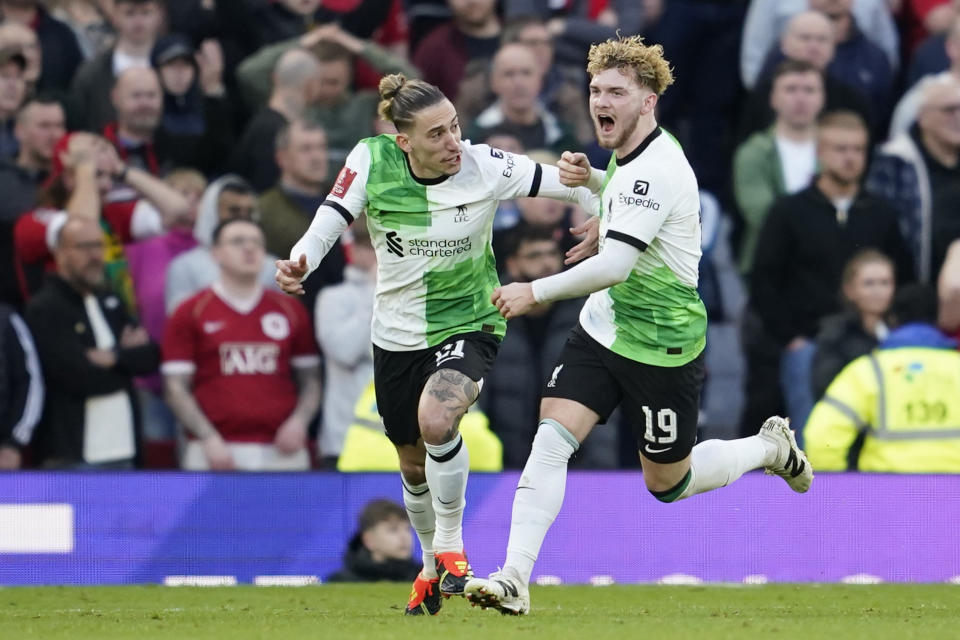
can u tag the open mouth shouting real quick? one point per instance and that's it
(605, 123)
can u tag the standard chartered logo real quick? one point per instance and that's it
(440, 248)
(427, 248)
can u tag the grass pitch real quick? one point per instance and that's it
(808, 612)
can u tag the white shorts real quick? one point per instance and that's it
(247, 456)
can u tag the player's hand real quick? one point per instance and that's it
(574, 169)
(590, 244)
(514, 299)
(218, 453)
(290, 273)
(291, 436)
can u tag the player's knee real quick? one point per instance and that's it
(436, 427)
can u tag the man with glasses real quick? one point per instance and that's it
(90, 349)
(241, 366)
(919, 171)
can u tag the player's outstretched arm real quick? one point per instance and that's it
(575, 171)
(606, 269)
(330, 221)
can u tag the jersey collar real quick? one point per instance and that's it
(423, 181)
(640, 149)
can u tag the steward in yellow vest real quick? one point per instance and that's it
(367, 448)
(896, 409)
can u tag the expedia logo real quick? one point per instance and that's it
(511, 163)
(631, 201)
(394, 244)
(640, 187)
(496, 153)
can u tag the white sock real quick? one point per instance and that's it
(419, 504)
(447, 468)
(717, 463)
(539, 496)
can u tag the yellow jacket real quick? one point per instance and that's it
(895, 410)
(367, 448)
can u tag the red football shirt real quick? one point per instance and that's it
(242, 361)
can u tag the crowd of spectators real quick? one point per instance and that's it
(157, 156)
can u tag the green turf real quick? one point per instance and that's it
(836, 612)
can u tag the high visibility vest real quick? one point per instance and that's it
(894, 410)
(367, 448)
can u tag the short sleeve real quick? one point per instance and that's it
(513, 175)
(349, 193)
(35, 234)
(303, 348)
(636, 215)
(179, 342)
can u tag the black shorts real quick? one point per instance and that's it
(662, 403)
(399, 377)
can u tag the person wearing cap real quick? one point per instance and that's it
(196, 127)
(13, 89)
(85, 170)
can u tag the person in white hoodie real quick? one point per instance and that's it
(227, 197)
(343, 315)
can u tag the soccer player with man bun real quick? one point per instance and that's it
(642, 331)
(430, 199)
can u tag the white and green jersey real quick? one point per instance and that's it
(436, 268)
(650, 200)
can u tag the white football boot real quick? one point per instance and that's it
(501, 591)
(791, 463)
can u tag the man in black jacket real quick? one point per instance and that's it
(805, 241)
(90, 350)
(21, 388)
(382, 548)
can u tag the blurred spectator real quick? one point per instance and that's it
(347, 115)
(85, 169)
(905, 113)
(21, 388)
(149, 260)
(867, 282)
(61, 53)
(562, 85)
(896, 409)
(89, 22)
(511, 393)
(20, 38)
(39, 125)
(472, 34)
(576, 24)
(916, 169)
(90, 349)
(288, 208)
(382, 549)
(516, 80)
(809, 37)
(766, 20)
(240, 365)
(782, 159)
(13, 90)
(920, 19)
(948, 290)
(342, 320)
(138, 23)
(138, 102)
(702, 38)
(226, 198)
(803, 245)
(296, 83)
